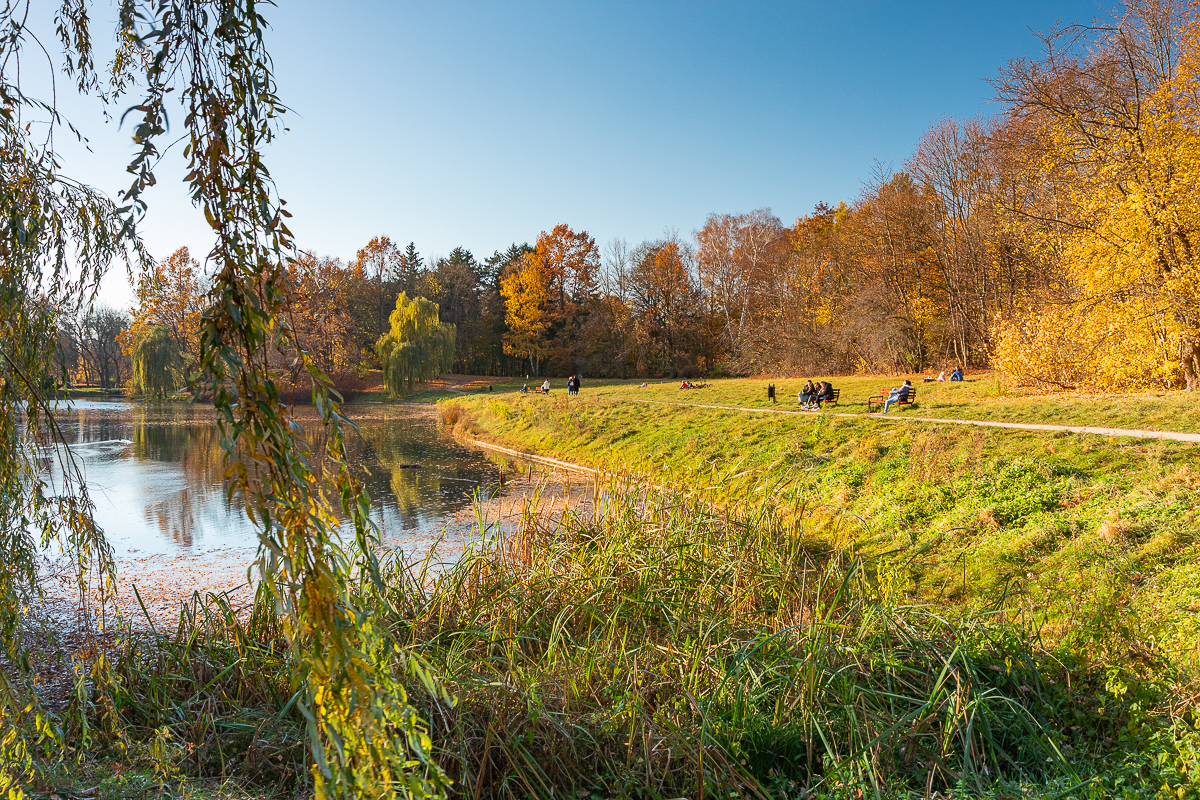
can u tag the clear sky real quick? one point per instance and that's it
(482, 123)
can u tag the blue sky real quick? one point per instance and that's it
(482, 123)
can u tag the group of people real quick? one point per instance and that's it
(955, 375)
(572, 386)
(812, 396)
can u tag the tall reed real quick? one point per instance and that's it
(648, 647)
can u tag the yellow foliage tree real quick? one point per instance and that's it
(526, 311)
(1125, 167)
(165, 330)
(417, 347)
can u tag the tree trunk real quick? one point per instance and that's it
(1191, 364)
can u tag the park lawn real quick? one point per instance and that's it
(420, 397)
(982, 397)
(1080, 532)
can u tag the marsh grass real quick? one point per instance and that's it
(651, 647)
(659, 650)
(1095, 539)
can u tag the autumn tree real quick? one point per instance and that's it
(666, 300)
(611, 328)
(170, 303)
(418, 346)
(492, 358)
(156, 362)
(893, 317)
(737, 259)
(569, 262)
(527, 311)
(1112, 112)
(57, 240)
(548, 296)
(322, 312)
(378, 267)
(98, 334)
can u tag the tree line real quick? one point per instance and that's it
(1053, 241)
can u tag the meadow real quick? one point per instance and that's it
(753, 605)
(982, 396)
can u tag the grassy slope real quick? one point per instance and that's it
(651, 650)
(1095, 538)
(980, 397)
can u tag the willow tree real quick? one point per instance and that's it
(418, 347)
(157, 363)
(57, 237)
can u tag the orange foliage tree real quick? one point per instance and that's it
(171, 302)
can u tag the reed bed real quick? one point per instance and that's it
(654, 648)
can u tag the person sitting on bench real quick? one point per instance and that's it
(897, 395)
(807, 394)
(824, 393)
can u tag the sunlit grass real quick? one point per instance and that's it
(655, 647)
(1085, 528)
(983, 396)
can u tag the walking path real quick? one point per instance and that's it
(1024, 426)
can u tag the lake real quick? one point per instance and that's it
(155, 473)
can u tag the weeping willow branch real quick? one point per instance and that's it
(367, 740)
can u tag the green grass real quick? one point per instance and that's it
(806, 606)
(983, 397)
(1086, 531)
(658, 648)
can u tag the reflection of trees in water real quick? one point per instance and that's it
(195, 446)
(448, 475)
(177, 467)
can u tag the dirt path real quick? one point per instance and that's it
(1024, 426)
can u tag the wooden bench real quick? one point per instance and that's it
(836, 394)
(877, 402)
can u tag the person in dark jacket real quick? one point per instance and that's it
(897, 395)
(825, 393)
(807, 395)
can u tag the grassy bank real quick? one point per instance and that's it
(985, 397)
(1083, 533)
(656, 649)
(808, 607)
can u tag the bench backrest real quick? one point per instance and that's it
(884, 391)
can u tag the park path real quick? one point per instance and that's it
(1023, 426)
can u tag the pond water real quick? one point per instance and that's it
(155, 474)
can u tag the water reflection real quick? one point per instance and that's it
(156, 476)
